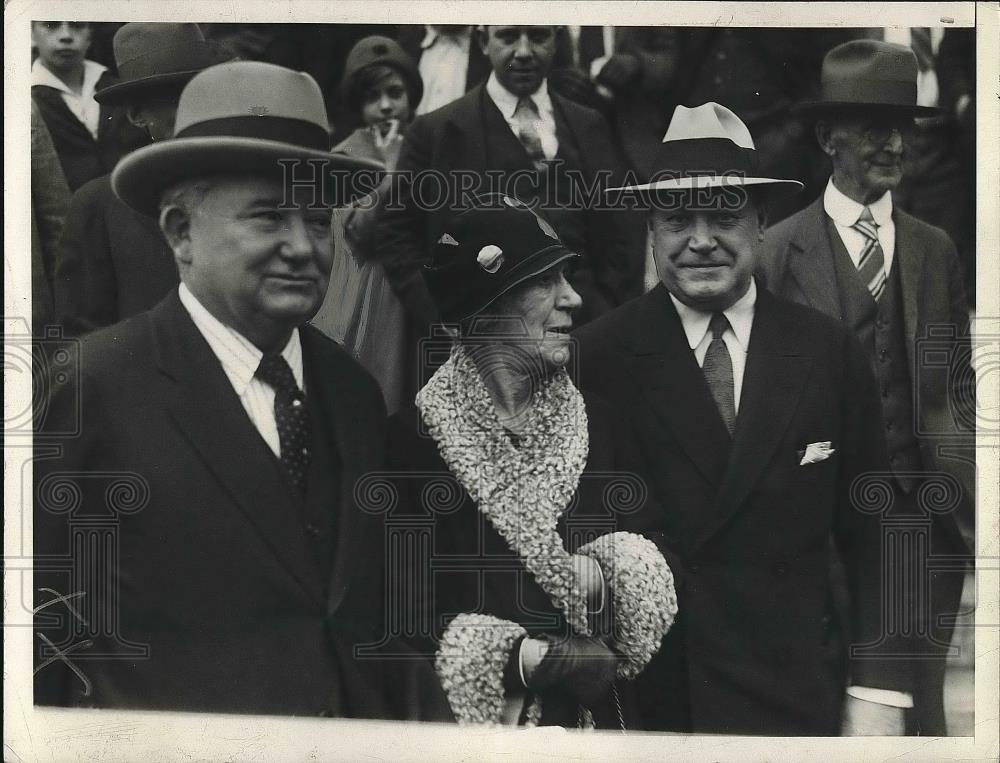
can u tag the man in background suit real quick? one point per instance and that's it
(893, 281)
(450, 60)
(113, 261)
(241, 574)
(511, 132)
(754, 417)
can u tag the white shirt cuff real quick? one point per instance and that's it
(881, 696)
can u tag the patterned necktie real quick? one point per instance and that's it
(871, 265)
(291, 416)
(718, 370)
(525, 115)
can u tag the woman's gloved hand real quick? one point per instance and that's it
(580, 667)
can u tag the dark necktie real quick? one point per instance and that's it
(525, 115)
(871, 265)
(291, 416)
(718, 370)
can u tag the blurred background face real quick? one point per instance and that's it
(156, 115)
(386, 100)
(866, 153)
(706, 258)
(521, 56)
(61, 45)
(533, 321)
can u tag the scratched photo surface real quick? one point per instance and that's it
(580, 376)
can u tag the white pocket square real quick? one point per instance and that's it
(816, 452)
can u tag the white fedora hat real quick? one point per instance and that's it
(707, 146)
(241, 117)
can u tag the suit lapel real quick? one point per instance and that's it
(212, 418)
(772, 384)
(909, 258)
(335, 407)
(811, 261)
(674, 387)
(466, 130)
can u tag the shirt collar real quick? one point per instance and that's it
(239, 356)
(739, 315)
(92, 71)
(506, 101)
(432, 35)
(845, 211)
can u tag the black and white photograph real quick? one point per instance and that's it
(385, 387)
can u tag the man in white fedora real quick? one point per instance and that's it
(753, 417)
(897, 284)
(219, 439)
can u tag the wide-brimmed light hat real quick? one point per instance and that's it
(706, 146)
(151, 55)
(868, 76)
(244, 117)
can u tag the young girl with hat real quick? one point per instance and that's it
(381, 86)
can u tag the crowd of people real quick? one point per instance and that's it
(326, 444)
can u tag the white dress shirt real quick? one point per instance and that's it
(545, 123)
(82, 106)
(845, 211)
(444, 64)
(240, 359)
(736, 337)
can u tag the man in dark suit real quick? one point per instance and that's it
(113, 261)
(89, 139)
(754, 417)
(515, 136)
(213, 556)
(896, 283)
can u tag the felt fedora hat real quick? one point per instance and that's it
(706, 146)
(869, 76)
(153, 55)
(487, 250)
(244, 117)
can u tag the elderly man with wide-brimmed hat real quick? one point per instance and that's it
(113, 261)
(897, 283)
(245, 572)
(754, 416)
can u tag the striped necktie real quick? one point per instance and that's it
(871, 265)
(718, 370)
(290, 415)
(525, 115)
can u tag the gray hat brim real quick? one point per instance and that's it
(141, 177)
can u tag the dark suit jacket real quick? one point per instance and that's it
(217, 601)
(750, 525)
(453, 139)
(82, 157)
(797, 263)
(113, 262)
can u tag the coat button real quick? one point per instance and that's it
(780, 569)
(883, 353)
(312, 529)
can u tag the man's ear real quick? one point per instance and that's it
(132, 113)
(175, 222)
(824, 136)
(761, 221)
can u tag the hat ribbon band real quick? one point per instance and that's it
(887, 92)
(703, 156)
(281, 129)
